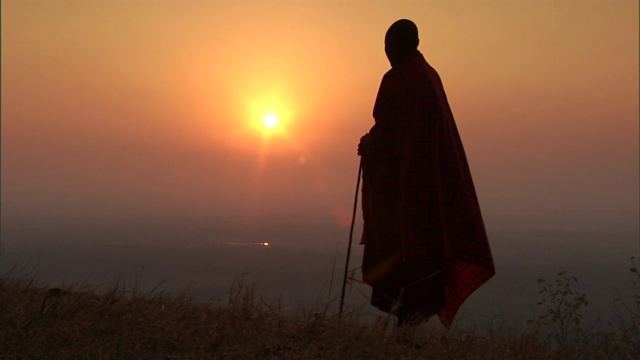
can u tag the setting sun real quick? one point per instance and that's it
(269, 115)
(270, 120)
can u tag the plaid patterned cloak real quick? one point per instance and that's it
(426, 248)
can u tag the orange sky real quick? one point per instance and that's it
(126, 108)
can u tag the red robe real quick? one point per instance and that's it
(426, 248)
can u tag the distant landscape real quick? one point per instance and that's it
(303, 266)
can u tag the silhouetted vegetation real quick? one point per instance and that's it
(77, 322)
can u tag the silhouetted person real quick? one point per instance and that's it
(426, 247)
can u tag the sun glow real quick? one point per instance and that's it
(270, 117)
(270, 121)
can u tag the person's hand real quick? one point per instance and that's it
(364, 145)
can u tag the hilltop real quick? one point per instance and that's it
(78, 322)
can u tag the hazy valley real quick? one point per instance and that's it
(303, 266)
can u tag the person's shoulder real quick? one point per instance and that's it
(392, 75)
(427, 67)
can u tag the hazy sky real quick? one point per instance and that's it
(135, 108)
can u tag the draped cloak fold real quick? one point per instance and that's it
(426, 248)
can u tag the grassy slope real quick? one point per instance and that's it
(79, 323)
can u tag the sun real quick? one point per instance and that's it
(270, 121)
(269, 118)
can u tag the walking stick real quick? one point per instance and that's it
(353, 220)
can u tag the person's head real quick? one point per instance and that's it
(401, 41)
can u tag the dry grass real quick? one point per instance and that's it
(78, 323)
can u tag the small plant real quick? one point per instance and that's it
(561, 303)
(628, 311)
